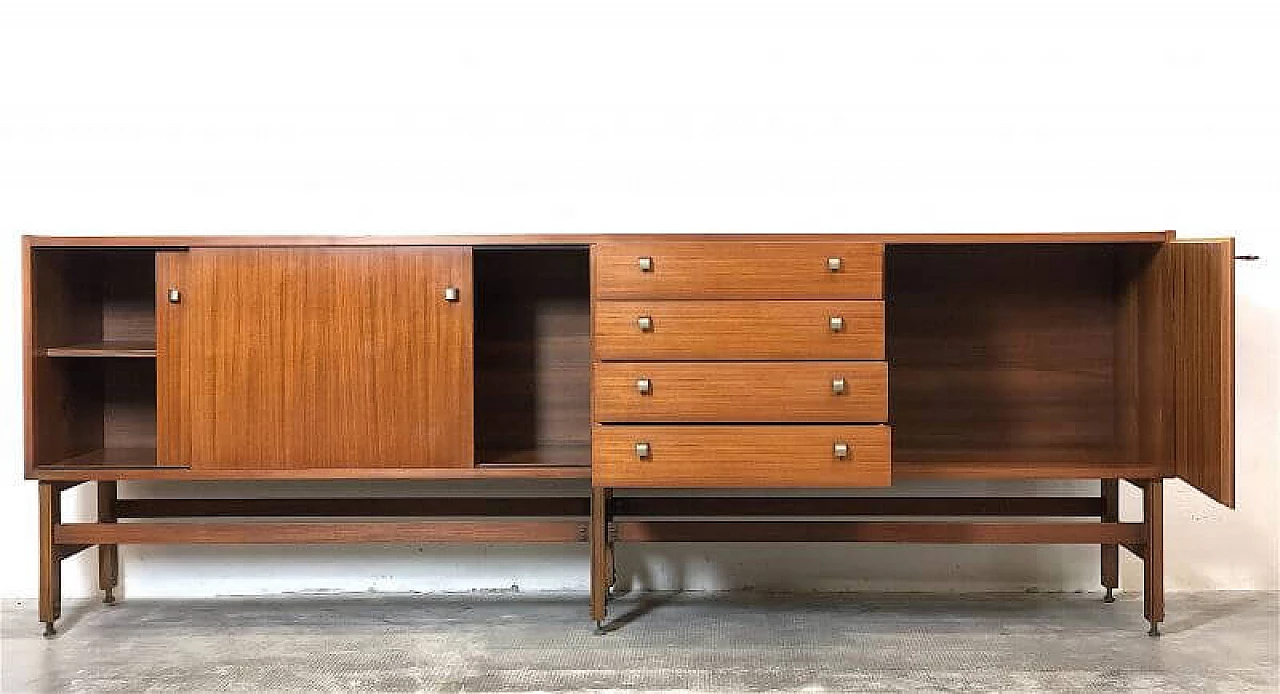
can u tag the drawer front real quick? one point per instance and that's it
(726, 330)
(733, 270)
(741, 456)
(742, 392)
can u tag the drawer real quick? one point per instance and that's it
(739, 270)
(852, 391)
(740, 456)
(728, 330)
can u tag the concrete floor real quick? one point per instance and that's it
(1026, 642)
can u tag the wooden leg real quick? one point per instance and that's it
(1153, 562)
(1110, 553)
(598, 535)
(108, 555)
(50, 607)
(609, 555)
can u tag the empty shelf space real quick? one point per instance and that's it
(105, 348)
(109, 457)
(545, 455)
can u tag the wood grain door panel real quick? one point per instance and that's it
(747, 270)
(1201, 277)
(856, 391)
(296, 358)
(740, 456)
(729, 330)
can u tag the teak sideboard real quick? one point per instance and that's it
(677, 362)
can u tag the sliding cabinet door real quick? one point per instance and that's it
(297, 358)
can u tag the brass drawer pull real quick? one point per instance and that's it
(175, 296)
(642, 449)
(645, 323)
(837, 324)
(840, 450)
(837, 386)
(834, 264)
(452, 294)
(644, 386)
(645, 263)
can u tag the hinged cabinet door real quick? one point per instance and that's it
(296, 358)
(1201, 285)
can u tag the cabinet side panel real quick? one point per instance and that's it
(1144, 357)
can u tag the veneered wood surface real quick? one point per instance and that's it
(104, 349)
(742, 392)
(740, 456)
(174, 404)
(731, 506)
(1003, 353)
(324, 532)
(325, 358)
(63, 299)
(729, 330)
(1202, 291)
(1004, 469)
(120, 465)
(947, 532)
(533, 356)
(778, 269)
(373, 506)
(250, 240)
(1144, 358)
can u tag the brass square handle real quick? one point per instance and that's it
(644, 386)
(174, 295)
(645, 323)
(837, 386)
(642, 449)
(452, 294)
(840, 450)
(834, 264)
(837, 324)
(646, 263)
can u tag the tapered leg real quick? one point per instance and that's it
(1153, 563)
(50, 606)
(598, 534)
(108, 555)
(1110, 553)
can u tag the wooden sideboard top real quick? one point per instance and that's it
(582, 239)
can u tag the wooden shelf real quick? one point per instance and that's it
(108, 348)
(79, 472)
(1008, 470)
(546, 455)
(108, 458)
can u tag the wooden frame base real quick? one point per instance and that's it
(684, 519)
(446, 520)
(602, 520)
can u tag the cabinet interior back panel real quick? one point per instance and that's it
(1002, 353)
(533, 356)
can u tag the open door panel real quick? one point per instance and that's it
(1201, 290)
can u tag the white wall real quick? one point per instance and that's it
(357, 117)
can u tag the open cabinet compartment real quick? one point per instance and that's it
(1027, 354)
(532, 356)
(93, 357)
